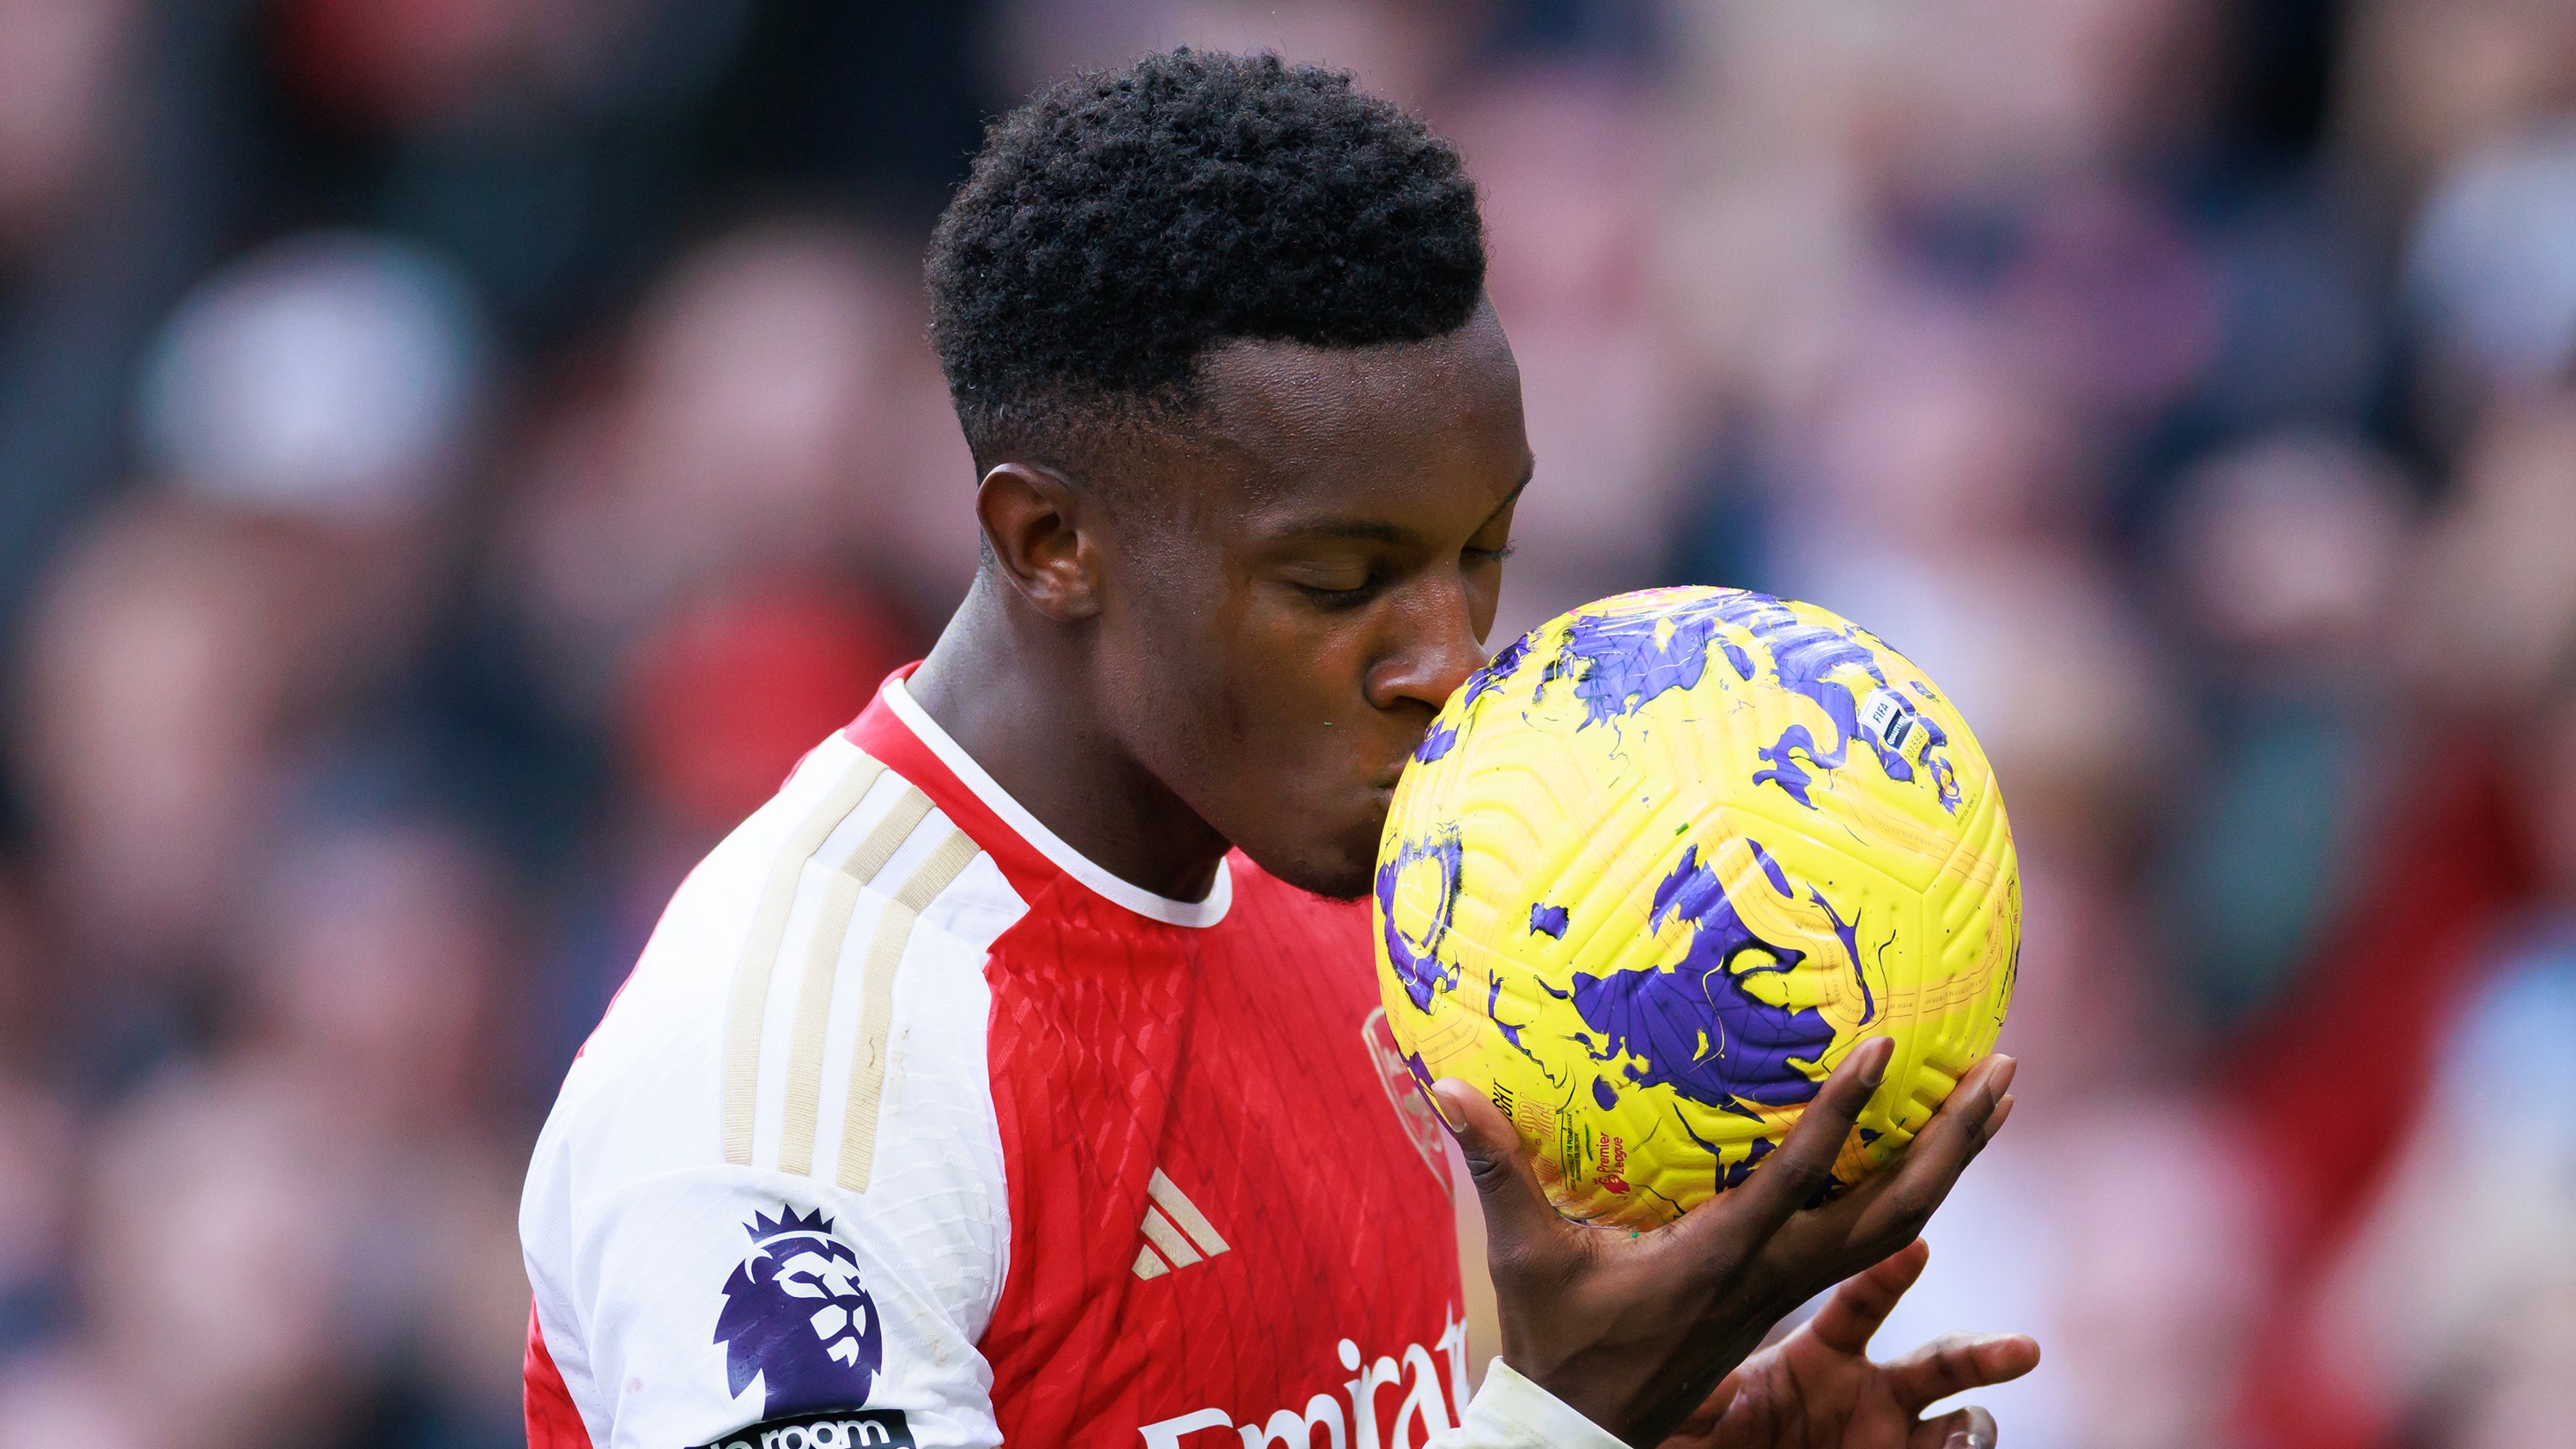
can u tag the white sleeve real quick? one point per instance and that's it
(783, 1203)
(727, 1301)
(1510, 1412)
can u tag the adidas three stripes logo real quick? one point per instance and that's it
(1177, 1234)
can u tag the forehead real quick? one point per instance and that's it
(1369, 429)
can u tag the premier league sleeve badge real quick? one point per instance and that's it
(798, 1320)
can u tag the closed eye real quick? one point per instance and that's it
(1348, 598)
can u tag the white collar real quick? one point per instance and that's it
(1072, 862)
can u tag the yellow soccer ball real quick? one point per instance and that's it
(1669, 858)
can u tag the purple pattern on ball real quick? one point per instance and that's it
(1617, 664)
(1435, 744)
(1505, 663)
(1660, 1017)
(1417, 963)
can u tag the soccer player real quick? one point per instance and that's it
(1016, 1074)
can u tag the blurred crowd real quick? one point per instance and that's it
(456, 454)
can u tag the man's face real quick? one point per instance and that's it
(1285, 614)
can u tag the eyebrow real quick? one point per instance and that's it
(1378, 530)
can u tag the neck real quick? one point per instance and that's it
(1011, 688)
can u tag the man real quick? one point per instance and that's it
(1015, 1073)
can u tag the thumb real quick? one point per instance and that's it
(1968, 1428)
(1518, 1216)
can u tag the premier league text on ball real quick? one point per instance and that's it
(1667, 860)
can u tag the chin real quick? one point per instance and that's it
(1340, 885)
(1335, 872)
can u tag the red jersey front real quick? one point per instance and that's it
(914, 1126)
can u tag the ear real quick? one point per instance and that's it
(1034, 521)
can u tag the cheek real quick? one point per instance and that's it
(1262, 722)
(1295, 684)
(1232, 714)
(1205, 663)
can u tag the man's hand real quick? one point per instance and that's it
(1817, 1389)
(1635, 1331)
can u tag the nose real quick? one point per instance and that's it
(1435, 649)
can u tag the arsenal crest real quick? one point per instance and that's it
(1408, 1089)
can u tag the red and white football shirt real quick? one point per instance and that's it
(913, 1126)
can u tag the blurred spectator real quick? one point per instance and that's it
(2454, 1310)
(2427, 80)
(1562, 159)
(372, 953)
(716, 703)
(285, 1244)
(38, 1136)
(330, 388)
(720, 546)
(2286, 554)
(2492, 615)
(2337, 1069)
(2494, 291)
(417, 65)
(539, 143)
(215, 1240)
(1937, 485)
(731, 693)
(37, 1165)
(1403, 49)
(170, 666)
(57, 84)
(107, 203)
(2128, 1236)
(375, 963)
(767, 413)
(2286, 548)
(335, 376)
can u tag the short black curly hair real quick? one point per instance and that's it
(1120, 224)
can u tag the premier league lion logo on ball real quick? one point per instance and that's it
(796, 1317)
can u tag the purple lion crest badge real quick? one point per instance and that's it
(797, 1318)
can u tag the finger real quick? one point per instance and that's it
(1888, 1209)
(1702, 1424)
(1518, 1216)
(1862, 1302)
(1968, 1428)
(1995, 1123)
(1956, 1364)
(1922, 1177)
(1803, 1164)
